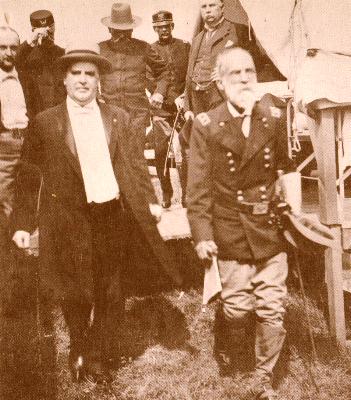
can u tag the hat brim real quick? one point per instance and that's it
(123, 27)
(307, 233)
(101, 62)
(162, 23)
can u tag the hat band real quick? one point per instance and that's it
(82, 51)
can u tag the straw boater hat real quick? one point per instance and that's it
(121, 18)
(85, 52)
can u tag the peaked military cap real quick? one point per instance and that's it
(162, 18)
(41, 19)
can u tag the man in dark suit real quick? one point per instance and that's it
(176, 53)
(35, 63)
(237, 152)
(125, 85)
(94, 186)
(201, 92)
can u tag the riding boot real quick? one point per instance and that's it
(269, 342)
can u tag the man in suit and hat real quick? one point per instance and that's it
(35, 63)
(125, 85)
(176, 53)
(94, 186)
(237, 152)
(201, 92)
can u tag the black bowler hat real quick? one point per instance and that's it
(41, 19)
(162, 18)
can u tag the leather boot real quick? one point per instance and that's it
(268, 345)
(229, 344)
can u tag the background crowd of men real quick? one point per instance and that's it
(79, 117)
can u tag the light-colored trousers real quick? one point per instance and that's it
(258, 288)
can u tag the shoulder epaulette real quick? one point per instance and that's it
(204, 119)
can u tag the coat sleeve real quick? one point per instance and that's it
(28, 181)
(159, 70)
(200, 183)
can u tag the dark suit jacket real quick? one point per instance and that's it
(64, 224)
(225, 168)
(229, 34)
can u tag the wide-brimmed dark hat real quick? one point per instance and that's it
(307, 233)
(162, 18)
(41, 19)
(87, 52)
(121, 18)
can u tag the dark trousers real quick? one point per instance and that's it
(94, 327)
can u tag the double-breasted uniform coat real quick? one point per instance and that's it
(64, 225)
(226, 171)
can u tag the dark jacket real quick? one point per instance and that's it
(64, 224)
(125, 85)
(42, 84)
(229, 34)
(225, 169)
(176, 54)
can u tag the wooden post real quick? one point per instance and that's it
(330, 215)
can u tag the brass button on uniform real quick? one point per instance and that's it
(267, 157)
(231, 162)
(263, 188)
(267, 150)
(232, 169)
(229, 154)
(267, 165)
(263, 197)
(221, 123)
(240, 198)
(239, 192)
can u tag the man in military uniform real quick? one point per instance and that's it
(35, 60)
(176, 53)
(237, 151)
(201, 92)
(125, 85)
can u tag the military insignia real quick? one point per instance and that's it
(275, 112)
(229, 43)
(42, 22)
(204, 119)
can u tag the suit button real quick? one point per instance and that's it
(232, 169)
(240, 198)
(229, 154)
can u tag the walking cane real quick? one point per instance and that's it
(170, 141)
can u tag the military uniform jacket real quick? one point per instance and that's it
(42, 86)
(125, 85)
(176, 54)
(228, 35)
(226, 169)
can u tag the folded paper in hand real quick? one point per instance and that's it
(212, 282)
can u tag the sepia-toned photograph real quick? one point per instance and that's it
(175, 200)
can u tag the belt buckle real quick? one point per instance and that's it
(260, 209)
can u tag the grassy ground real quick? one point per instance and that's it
(167, 351)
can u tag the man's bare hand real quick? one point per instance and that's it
(206, 249)
(189, 115)
(21, 239)
(156, 100)
(179, 102)
(156, 211)
(37, 35)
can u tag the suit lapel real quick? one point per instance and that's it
(196, 47)
(64, 130)
(260, 133)
(221, 33)
(109, 121)
(230, 136)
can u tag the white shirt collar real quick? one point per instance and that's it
(72, 105)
